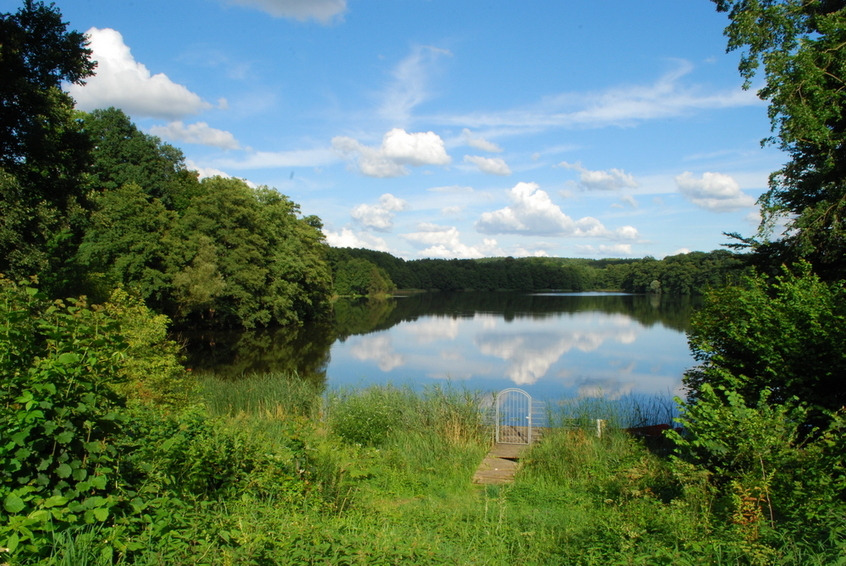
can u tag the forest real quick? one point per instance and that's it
(368, 272)
(112, 452)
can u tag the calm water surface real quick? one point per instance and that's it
(552, 345)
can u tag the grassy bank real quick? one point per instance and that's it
(382, 476)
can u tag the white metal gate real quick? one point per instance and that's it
(513, 417)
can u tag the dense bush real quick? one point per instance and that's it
(785, 337)
(95, 432)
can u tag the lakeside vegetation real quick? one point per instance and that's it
(359, 271)
(112, 453)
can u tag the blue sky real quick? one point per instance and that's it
(435, 128)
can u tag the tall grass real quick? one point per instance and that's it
(430, 439)
(276, 395)
(629, 411)
(389, 477)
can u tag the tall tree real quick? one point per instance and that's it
(801, 45)
(124, 154)
(43, 150)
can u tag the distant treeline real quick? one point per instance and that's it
(683, 274)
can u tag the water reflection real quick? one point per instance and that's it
(553, 345)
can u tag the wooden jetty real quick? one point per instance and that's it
(502, 462)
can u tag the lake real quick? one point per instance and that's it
(553, 345)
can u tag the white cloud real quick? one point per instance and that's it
(610, 180)
(346, 238)
(380, 349)
(520, 251)
(629, 200)
(532, 212)
(713, 191)
(399, 148)
(379, 217)
(124, 83)
(479, 142)
(321, 10)
(614, 250)
(199, 133)
(410, 85)
(277, 159)
(490, 165)
(445, 241)
(625, 106)
(204, 172)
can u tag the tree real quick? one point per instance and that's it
(124, 244)
(785, 337)
(44, 152)
(802, 47)
(359, 276)
(37, 53)
(263, 264)
(124, 154)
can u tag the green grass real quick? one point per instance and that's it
(388, 481)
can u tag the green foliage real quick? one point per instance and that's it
(360, 277)
(786, 337)
(367, 417)
(43, 150)
(275, 395)
(684, 274)
(733, 440)
(123, 155)
(124, 243)
(150, 370)
(801, 47)
(261, 265)
(60, 418)
(765, 473)
(37, 134)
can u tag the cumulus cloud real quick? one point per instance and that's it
(123, 82)
(532, 212)
(323, 11)
(490, 165)
(611, 180)
(713, 191)
(204, 172)
(380, 349)
(379, 217)
(479, 142)
(200, 133)
(399, 148)
(445, 241)
(346, 238)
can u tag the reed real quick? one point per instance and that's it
(273, 395)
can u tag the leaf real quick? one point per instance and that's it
(12, 542)
(101, 514)
(65, 437)
(54, 501)
(64, 471)
(13, 504)
(68, 358)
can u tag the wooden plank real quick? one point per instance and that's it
(500, 465)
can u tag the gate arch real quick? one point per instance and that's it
(513, 417)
